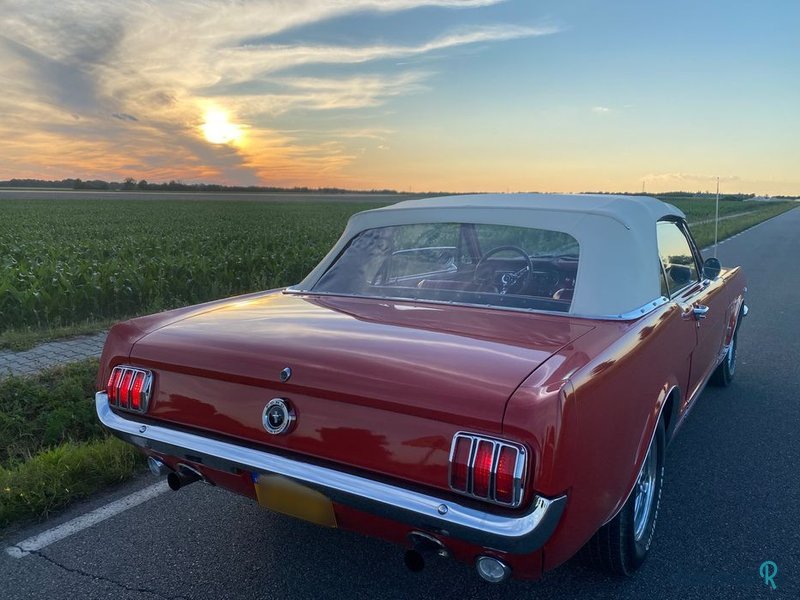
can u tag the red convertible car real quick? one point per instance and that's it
(491, 377)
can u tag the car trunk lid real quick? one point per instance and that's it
(378, 385)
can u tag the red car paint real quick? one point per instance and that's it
(380, 387)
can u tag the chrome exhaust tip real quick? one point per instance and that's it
(182, 476)
(492, 569)
(414, 561)
(426, 544)
(423, 546)
(157, 467)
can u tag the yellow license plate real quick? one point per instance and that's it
(283, 495)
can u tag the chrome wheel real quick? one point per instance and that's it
(621, 545)
(731, 356)
(645, 492)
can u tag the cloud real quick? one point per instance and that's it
(93, 87)
(319, 93)
(601, 110)
(36, 74)
(246, 62)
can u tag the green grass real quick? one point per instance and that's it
(43, 411)
(698, 209)
(704, 234)
(74, 266)
(701, 209)
(52, 448)
(54, 478)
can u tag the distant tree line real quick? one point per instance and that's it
(684, 195)
(707, 195)
(130, 184)
(66, 184)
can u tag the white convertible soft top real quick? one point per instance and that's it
(618, 266)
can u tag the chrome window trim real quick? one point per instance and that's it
(522, 532)
(422, 249)
(698, 254)
(632, 314)
(664, 279)
(683, 290)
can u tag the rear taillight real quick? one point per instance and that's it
(137, 385)
(459, 464)
(129, 388)
(482, 469)
(113, 383)
(504, 475)
(488, 468)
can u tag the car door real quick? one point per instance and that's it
(699, 299)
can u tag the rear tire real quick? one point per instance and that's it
(621, 545)
(723, 374)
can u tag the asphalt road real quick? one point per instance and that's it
(731, 501)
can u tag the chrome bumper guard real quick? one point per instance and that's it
(516, 534)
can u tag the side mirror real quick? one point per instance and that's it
(711, 268)
(679, 274)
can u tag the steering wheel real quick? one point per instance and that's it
(503, 281)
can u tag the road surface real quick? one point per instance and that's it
(731, 501)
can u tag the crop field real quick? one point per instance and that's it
(91, 261)
(71, 261)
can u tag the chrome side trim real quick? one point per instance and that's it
(635, 313)
(640, 311)
(521, 533)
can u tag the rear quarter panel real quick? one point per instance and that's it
(594, 406)
(591, 410)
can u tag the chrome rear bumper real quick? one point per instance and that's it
(516, 534)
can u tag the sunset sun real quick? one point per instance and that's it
(217, 129)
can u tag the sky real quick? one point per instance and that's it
(413, 95)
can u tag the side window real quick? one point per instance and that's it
(416, 262)
(676, 257)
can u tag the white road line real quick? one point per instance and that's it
(44, 539)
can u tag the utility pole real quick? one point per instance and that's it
(716, 221)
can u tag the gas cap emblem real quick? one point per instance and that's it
(278, 416)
